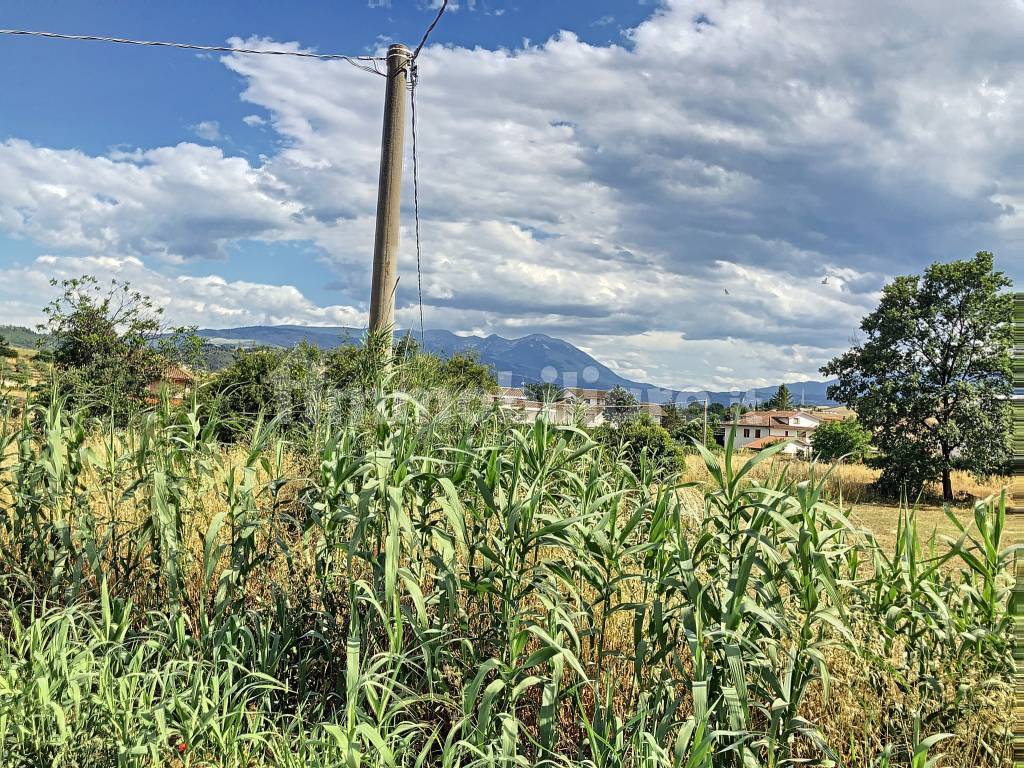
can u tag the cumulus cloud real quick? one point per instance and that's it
(208, 130)
(208, 301)
(612, 194)
(171, 202)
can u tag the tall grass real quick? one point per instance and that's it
(438, 590)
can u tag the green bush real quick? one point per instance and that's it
(6, 350)
(641, 440)
(243, 390)
(833, 440)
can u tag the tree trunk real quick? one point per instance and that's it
(947, 482)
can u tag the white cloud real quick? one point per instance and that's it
(610, 194)
(208, 300)
(208, 130)
(253, 121)
(171, 202)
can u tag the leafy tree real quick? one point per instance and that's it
(246, 388)
(691, 431)
(674, 417)
(835, 439)
(781, 401)
(686, 424)
(544, 392)
(638, 437)
(103, 339)
(931, 379)
(721, 410)
(620, 406)
(6, 350)
(464, 371)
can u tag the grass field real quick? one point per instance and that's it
(882, 520)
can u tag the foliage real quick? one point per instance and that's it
(544, 392)
(620, 405)
(686, 424)
(245, 389)
(781, 400)
(833, 440)
(6, 350)
(312, 390)
(463, 371)
(674, 417)
(104, 342)
(642, 444)
(932, 377)
(693, 431)
(475, 594)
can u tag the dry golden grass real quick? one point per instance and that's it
(852, 482)
(881, 519)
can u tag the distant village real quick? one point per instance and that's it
(754, 429)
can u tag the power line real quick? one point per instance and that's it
(366, 63)
(414, 76)
(430, 29)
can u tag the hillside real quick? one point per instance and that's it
(18, 336)
(514, 360)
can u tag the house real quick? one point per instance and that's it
(759, 429)
(579, 406)
(594, 400)
(178, 381)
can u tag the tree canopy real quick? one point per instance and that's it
(620, 405)
(103, 338)
(6, 350)
(544, 391)
(931, 378)
(835, 439)
(781, 400)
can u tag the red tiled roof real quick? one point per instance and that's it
(764, 442)
(176, 374)
(770, 419)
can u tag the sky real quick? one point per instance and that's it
(700, 194)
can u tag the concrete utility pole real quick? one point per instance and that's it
(389, 190)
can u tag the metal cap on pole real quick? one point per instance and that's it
(385, 244)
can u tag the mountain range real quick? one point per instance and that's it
(536, 357)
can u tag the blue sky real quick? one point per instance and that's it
(601, 171)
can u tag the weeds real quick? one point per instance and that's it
(440, 590)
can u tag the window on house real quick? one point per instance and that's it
(746, 433)
(787, 433)
(757, 433)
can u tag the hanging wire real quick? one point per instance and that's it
(365, 63)
(423, 40)
(413, 78)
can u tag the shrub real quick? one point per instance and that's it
(6, 350)
(244, 389)
(640, 440)
(835, 439)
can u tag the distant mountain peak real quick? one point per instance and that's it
(515, 361)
